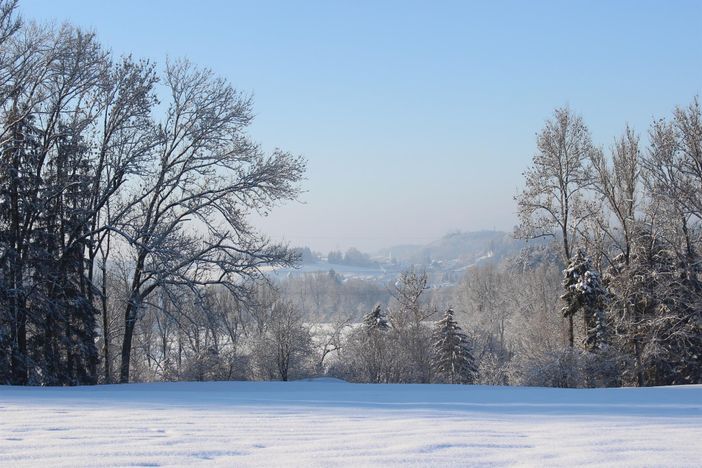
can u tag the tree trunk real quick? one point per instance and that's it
(105, 321)
(19, 348)
(639, 366)
(566, 251)
(105, 337)
(129, 323)
(18, 360)
(571, 332)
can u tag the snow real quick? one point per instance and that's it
(328, 422)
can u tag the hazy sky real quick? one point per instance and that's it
(417, 118)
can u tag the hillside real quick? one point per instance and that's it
(445, 259)
(459, 247)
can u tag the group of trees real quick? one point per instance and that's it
(514, 316)
(328, 296)
(123, 187)
(627, 223)
(352, 257)
(210, 334)
(405, 345)
(213, 336)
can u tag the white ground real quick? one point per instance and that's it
(328, 423)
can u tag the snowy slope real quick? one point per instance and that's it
(326, 422)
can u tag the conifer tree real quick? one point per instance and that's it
(376, 320)
(18, 184)
(373, 346)
(453, 360)
(585, 292)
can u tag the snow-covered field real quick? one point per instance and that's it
(330, 423)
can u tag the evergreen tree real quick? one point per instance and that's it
(372, 346)
(376, 320)
(19, 184)
(453, 360)
(585, 292)
(65, 312)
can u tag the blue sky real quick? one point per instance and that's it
(417, 118)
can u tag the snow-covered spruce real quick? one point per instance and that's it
(453, 360)
(585, 292)
(376, 320)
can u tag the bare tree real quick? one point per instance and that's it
(284, 347)
(125, 140)
(331, 341)
(486, 294)
(618, 184)
(674, 172)
(412, 334)
(186, 222)
(675, 159)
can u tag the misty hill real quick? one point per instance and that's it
(457, 247)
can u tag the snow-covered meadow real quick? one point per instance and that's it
(329, 423)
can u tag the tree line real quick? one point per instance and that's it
(214, 336)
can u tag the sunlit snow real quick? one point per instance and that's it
(331, 423)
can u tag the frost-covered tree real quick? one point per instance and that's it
(618, 182)
(674, 160)
(368, 350)
(453, 360)
(674, 178)
(552, 203)
(284, 347)
(410, 314)
(658, 317)
(488, 294)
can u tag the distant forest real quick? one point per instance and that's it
(126, 253)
